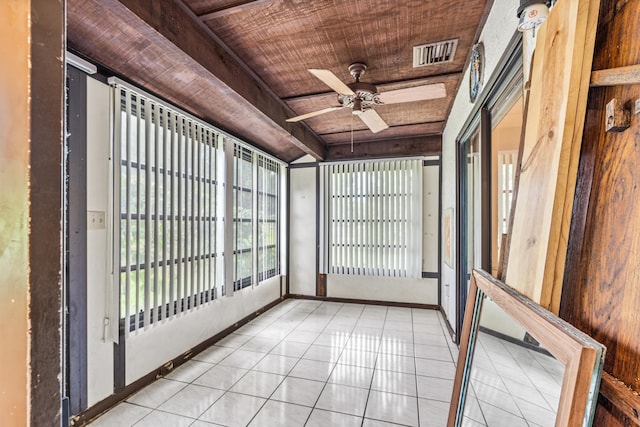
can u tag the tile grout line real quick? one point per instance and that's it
(239, 379)
(416, 370)
(332, 369)
(366, 404)
(285, 377)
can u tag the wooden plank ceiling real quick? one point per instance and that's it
(242, 64)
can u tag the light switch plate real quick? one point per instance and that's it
(96, 220)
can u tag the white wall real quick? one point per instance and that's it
(417, 291)
(302, 232)
(150, 348)
(493, 317)
(430, 218)
(498, 30)
(302, 262)
(99, 344)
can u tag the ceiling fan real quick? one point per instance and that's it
(362, 97)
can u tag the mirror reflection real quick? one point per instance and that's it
(513, 380)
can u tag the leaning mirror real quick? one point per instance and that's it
(520, 365)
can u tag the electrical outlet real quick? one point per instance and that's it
(96, 220)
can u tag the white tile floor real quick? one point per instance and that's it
(308, 363)
(512, 386)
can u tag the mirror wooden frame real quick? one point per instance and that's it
(581, 355)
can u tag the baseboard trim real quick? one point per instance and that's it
(448, 325)
(104, 405)
(365, 301)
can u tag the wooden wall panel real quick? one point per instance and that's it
(47, 110)
(554, 123)
(601, 295)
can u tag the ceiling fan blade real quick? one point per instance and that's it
(331, 80)
(418, 93)
(373, 120)
(313, 114)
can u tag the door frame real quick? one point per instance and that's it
(498, 89)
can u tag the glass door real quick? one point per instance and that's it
(470, 205)
(487, 161)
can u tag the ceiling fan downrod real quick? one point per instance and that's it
(357, 69)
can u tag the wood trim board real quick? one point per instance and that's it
(581, 355)
(554, 125)
(624, 398)
(628, 75)
(365, 301)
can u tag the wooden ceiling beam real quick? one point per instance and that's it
(394, 132)
(178, 24)
(233, 7)
(187, 32)
(401, 147)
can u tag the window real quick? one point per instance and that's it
(268, 203)
(255, 217)
(243, 213)
(170, 199)
(374, 218)
(168, 224)
(506, 165)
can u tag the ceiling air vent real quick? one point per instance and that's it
(434, 53)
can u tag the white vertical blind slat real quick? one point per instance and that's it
(127, 288)
(164, 300)
(357, 194)
(334, 191)
(378, 216)
(393, 211)
(190, 193)
(156, 213)
(140, 243)
(201, 255)
(351, 215)
(209, 161)
(367, 215)
(338, 238)
(386, 241)
(180, 276)
(404, 190)
(175, 219)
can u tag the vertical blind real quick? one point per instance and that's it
(268, 217)
(169, 199)
(168, 225)
(256, 217)
(243, 202)
(374, 217)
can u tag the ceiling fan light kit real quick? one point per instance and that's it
(362, 97)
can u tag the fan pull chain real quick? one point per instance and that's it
(352, 133)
